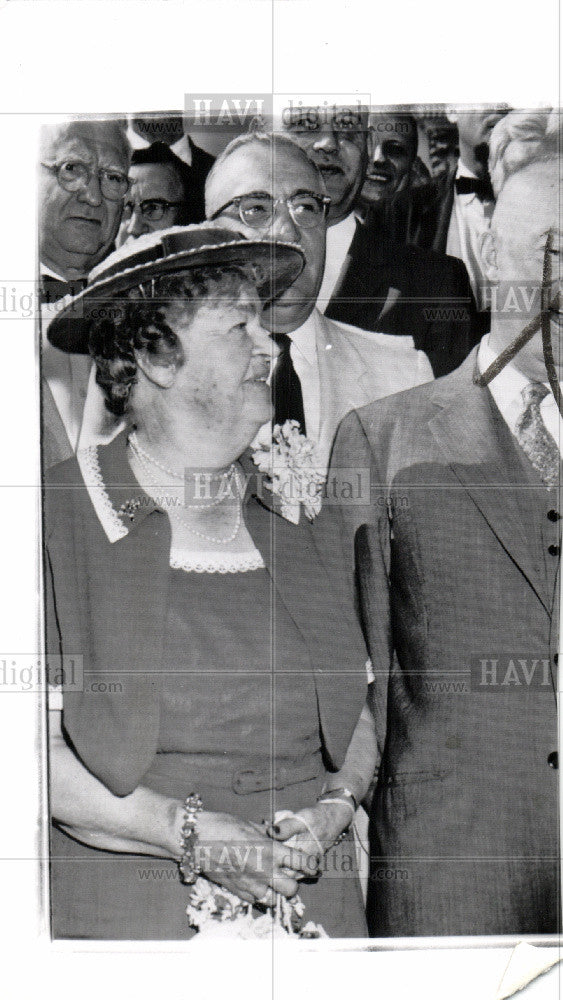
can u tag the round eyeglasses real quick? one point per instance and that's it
(75, 175)
(306, 208)
(151, 209)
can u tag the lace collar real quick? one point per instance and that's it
(121, 505)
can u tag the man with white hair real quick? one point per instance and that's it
(457, 562)
(82, 183)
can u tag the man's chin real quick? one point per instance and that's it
(284, 317)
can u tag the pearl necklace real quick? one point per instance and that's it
(225, 477)
(200, 534)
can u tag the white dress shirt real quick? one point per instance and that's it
(338, 242)
(506, 389)
(303, 353)
(470, 219)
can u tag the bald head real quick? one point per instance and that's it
(275, 166)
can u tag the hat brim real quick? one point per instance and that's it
(277, 266)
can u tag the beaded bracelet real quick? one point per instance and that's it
(189, 868)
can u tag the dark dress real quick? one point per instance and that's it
(239, 722)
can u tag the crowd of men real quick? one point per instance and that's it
(398, 254)
(395, 294)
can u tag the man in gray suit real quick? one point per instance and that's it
(457, 560)
(266, 185)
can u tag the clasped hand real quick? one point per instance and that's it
(256, 861)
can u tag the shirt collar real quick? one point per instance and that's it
(49, 273)
(305, 338)
(183, 149)
(506, 387)
(463, 171)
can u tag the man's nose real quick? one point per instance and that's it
(262, 339)
(92, 193)
(326, 141)
(136, 225)
(378, 155)
(282, 225)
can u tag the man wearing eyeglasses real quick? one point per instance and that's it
(158, 197)
(82, 185)
(267, 185)
(375, 283)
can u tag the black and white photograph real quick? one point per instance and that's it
(297, 358)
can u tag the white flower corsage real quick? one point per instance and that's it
(216, 912)
(295, 475)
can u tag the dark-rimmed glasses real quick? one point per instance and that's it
(151, 209)
(257, 210)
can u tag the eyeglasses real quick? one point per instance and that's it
(257, 210)
(75, 175)
(343, 124)
(152, 209)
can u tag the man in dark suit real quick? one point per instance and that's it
(450, 214)
(169, 128)
(457, 559)
(370, 282)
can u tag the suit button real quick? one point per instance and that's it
(553, 759)
(553, 515)
(553, 550)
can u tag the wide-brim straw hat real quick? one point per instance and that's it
(171, 251)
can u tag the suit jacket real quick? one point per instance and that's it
(457, 565)
(421, 217)
(356, 367)
(194, 181)
(405, 290)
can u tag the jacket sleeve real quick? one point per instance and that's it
(363, 531)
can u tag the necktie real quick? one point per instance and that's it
(534, 438)
(53, 289)
(482, 187)
(287, 395)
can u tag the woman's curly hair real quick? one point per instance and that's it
(138, 322)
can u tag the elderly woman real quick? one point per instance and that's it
(219, 715)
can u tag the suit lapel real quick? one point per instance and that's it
(444, 214)
(471, 432)
(344, 375)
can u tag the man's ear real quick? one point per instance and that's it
(489, 257)
(160, 369)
